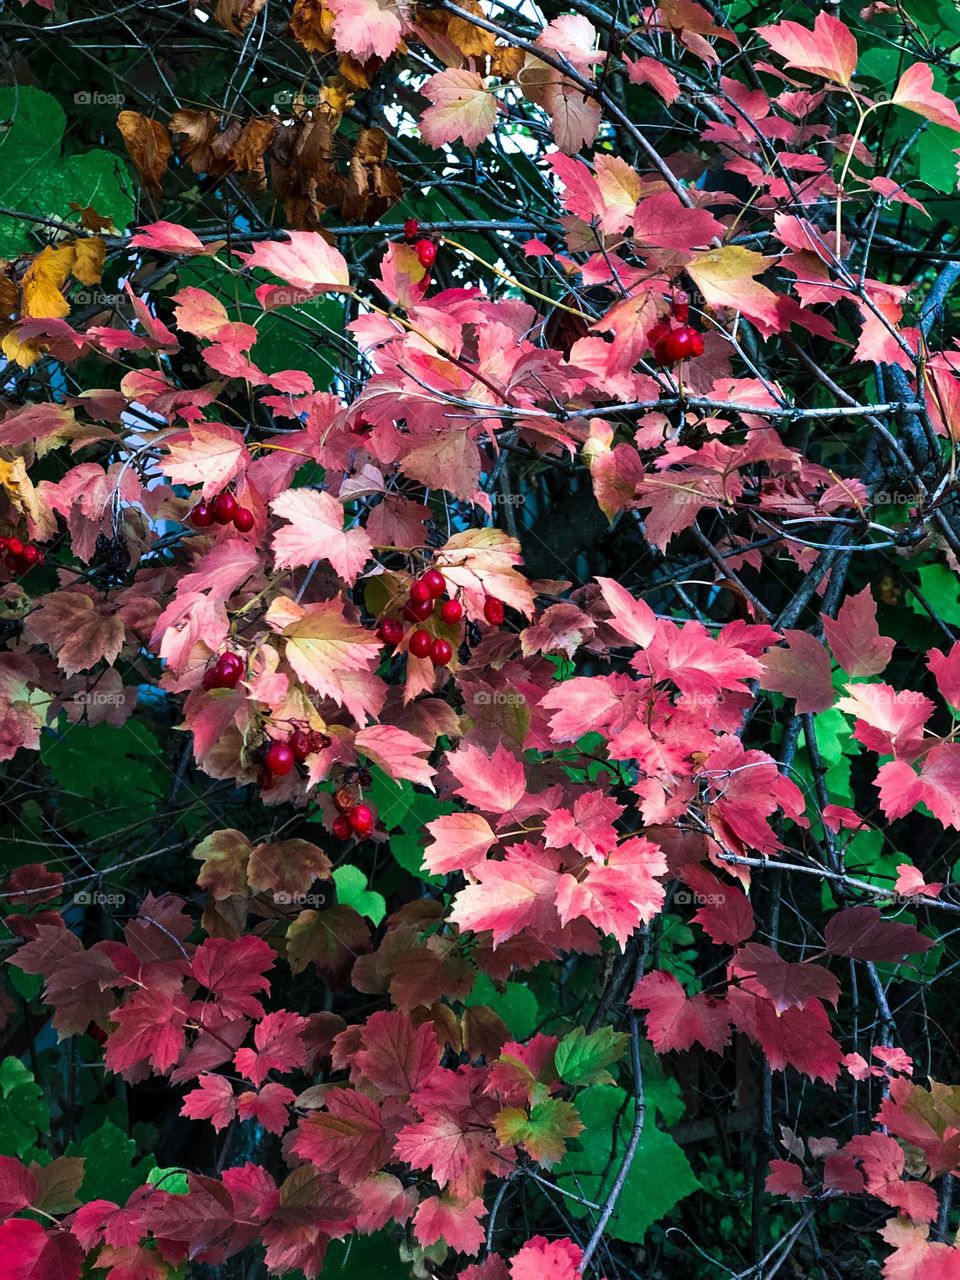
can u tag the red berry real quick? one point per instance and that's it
(426, 253)
(279, 759)
(440, 652)
(414, 612)
(299, 744)
(676, 346)
(201, 517)
(225, 507)
(420, 643)
(243, 519)
(231, 665)
(420, 591)
(360, 818)
(696, 344)
(31, 556)
(318, 741)
(435, 583)
(493, 611)
(390, 631)
(411, 229)
(451, 611)
(680, 307)
(14, 548)
(210, 678)
(12, 562)
(341, 827)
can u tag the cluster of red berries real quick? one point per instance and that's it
(353, 819)
(224, 509)
(426, 249)
(672, 342)
(225, 673)
(280, 757)
(425, 598)
(20, 556)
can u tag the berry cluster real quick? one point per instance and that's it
(673, 339)
(426, 249)
(225, 673)
(224, 509)
(19, 556)
(426, 598)
(280, 757)
(353, 819)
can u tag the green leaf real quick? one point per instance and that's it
(106, 776)
(941, 586)
(515, 1004)
(352, 891)
(43, 181)
(173, 1180)
(937, 160)
(660, 1175)
(365, 1258)
(23, 1112)
(583, 1058)
(112, 1171)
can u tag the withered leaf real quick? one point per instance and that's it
(148, 145)
(236, 15)
(311, 25)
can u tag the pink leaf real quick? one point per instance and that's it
(829, 50)
(915, 91)
(463, 109)
(316, 532)
(854, 637)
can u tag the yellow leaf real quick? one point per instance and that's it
(88, 261)
(42, 284)
(726, 278)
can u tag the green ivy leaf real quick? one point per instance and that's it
(660, 1175)
(352, 891)
(112, 1171)
(45, 181)
(583, 1058)
(23, 1112)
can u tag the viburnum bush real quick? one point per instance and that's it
(480, 669)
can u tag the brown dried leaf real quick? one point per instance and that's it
(471, 40)
(236, 15)
(248, 151)
(200, 128)
(311, 25)
(506, 62)
(90, 220)
(148, 145)
(372, 186)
